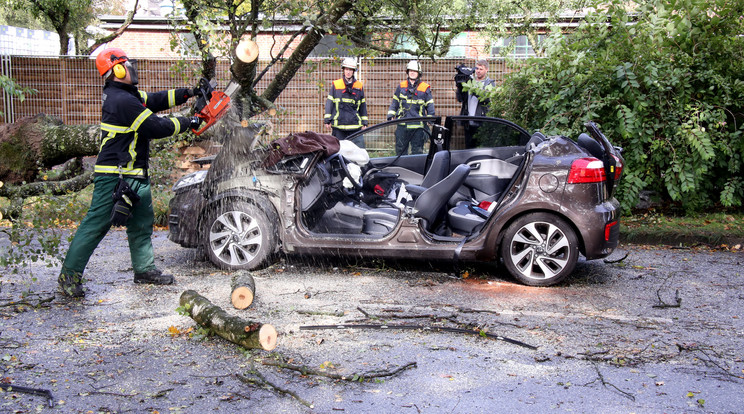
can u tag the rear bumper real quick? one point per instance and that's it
(184, 219)
(605, 237)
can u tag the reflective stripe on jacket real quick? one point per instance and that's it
(345, 106)
(128, 123)
(412, 100)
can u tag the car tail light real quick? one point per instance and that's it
(608, 229)
(586, 170)
(618, 168)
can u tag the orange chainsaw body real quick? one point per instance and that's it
(214, 110)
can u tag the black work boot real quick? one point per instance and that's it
(71, 285)
(154, 277)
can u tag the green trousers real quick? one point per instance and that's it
(97, 223)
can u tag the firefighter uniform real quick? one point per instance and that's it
(128, 123)
(346, 109)
(409, 101)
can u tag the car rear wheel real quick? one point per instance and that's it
(540, 249)
(239, 235)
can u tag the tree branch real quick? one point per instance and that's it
(105, 39)
(262, 381)
(354, 377)
(337, 10)
(73, 184)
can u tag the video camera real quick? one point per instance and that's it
(463, 74)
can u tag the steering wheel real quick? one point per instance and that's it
(342, 162)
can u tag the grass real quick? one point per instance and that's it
(653, 226)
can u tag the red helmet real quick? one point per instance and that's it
(110, 58)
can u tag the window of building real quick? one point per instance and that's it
(517, 47)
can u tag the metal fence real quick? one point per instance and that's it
(69, 88)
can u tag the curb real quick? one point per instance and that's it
(677, 239)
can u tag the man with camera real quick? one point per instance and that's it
(473, 105)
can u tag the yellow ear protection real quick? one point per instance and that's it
(119, 71)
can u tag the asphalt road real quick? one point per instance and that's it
(660, 331)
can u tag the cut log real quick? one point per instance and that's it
(248, 334)
(243, 291)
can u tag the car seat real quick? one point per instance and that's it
(438, 169)
(428, 206)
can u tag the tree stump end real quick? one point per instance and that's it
(267, 337)
(247, 50)
(241, 297)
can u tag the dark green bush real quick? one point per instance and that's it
(664, 80)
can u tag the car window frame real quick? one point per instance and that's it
(435, 120)
(450, 123)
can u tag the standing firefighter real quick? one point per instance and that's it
(345, 108)
(412, 99)
(121, 194)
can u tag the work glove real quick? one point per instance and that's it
(390, 118)
(124, 201)
(195, 122)
(193, 92)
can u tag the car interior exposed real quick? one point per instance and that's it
(451, 191)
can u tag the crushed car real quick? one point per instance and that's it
(532, 202)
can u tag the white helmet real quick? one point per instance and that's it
(349, 62)
(414, 65)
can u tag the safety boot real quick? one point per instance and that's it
(71, 285)
(154, 277)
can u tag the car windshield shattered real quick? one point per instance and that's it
(484, 189)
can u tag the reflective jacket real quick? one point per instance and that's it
(412, 100)
(128, 123)
(346, 107)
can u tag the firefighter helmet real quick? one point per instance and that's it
(349, 62)
(414, 65)
(106, 60)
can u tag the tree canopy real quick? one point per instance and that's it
(70, 19)
(366, 27)
(418, 28)
(664, 79)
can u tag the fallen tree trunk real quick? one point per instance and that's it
(42, 141)
(243, 291)
(247, 334)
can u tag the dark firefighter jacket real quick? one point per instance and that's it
(412, 100)
(128, 123)
(346, 107)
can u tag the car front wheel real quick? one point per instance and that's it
(540, 249)
(239, 236)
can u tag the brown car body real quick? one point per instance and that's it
(547, 206)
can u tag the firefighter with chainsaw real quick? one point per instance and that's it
(345, 108)
(121, 194)
(412, 98)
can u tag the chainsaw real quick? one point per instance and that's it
(212, 105)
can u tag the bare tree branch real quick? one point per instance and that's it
(105, 39)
